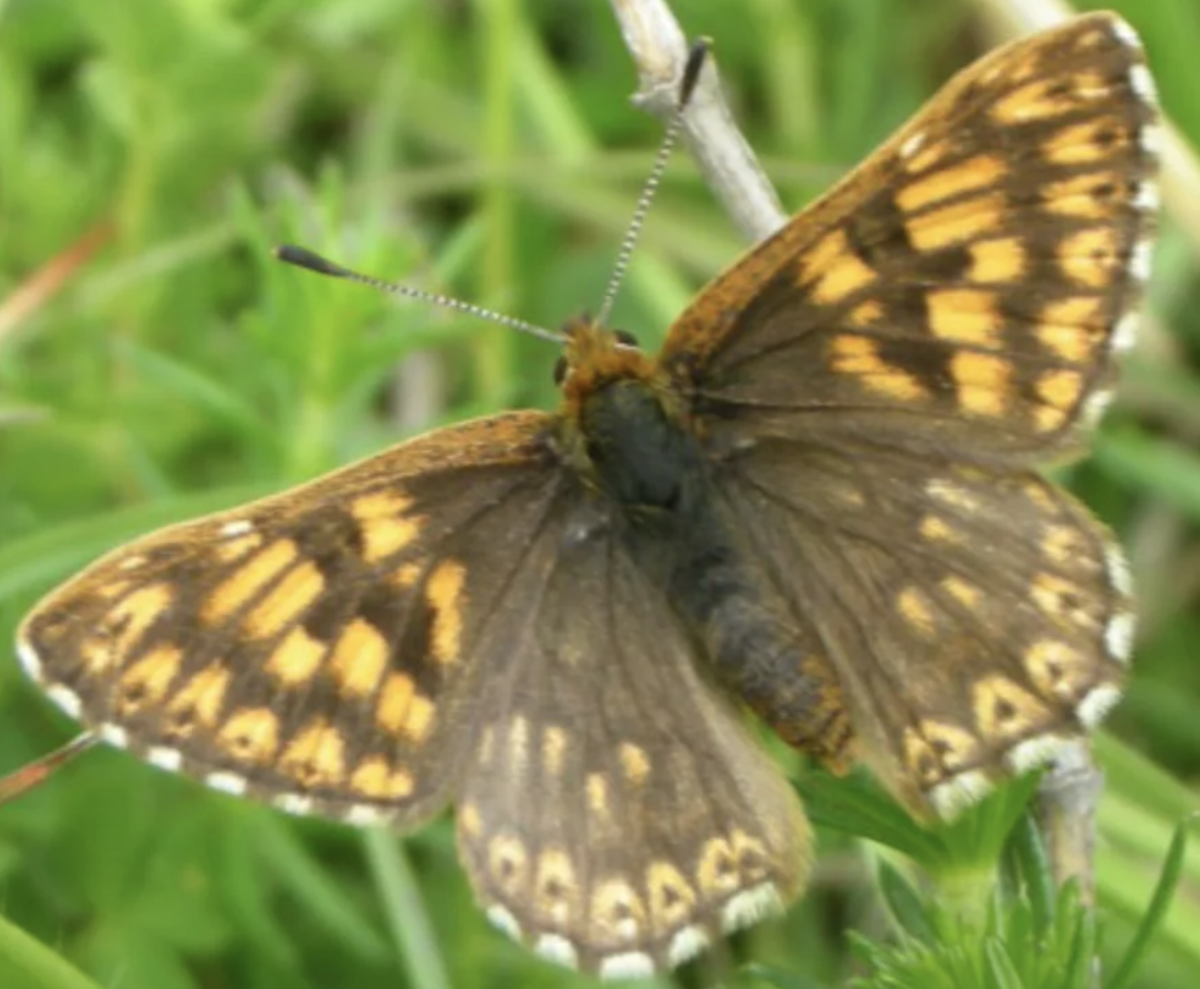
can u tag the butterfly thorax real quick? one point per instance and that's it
(622, 429)
(640, 456)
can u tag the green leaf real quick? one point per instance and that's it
(1000, 972)
(1036, 873)
(905, 904)
(291, 864)
(778, 977)
(1164, 891)
(407, 917)
(27, 963)
(857, 806)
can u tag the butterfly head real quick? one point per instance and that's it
(594, 355)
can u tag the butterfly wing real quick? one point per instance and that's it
(616, 815)
(319, 649)
(453, 620)
(876, 379)
(978, 621)
(967, 287)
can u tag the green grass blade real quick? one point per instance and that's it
(26, 963)
(1164, 891)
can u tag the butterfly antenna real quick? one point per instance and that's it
(302, 257)
(29, 776)
(687, 86)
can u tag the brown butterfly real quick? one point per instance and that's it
(818, 501)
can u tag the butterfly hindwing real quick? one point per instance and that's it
(317, 649)
(978, 621)
(617, 816)
(966, 289)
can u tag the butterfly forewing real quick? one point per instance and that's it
(318, 649)
(966, 288)
(619, 818)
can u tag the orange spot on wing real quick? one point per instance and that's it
(962, 591)
(1056, 669)
(914, 608)
(286, 601)
(386, 529)
(380, 505)
(858, 357)
(97, 656)
(418, 720)
(953, 180)
(251, 734)
(1004, 710)
(316, 757)
(966, 316)
(1072, 328)
(1086, 143)
(983, 382)
(296, 659)
(597, 793)
(359, 659)
(394, 698)
(999, 260)
(232, 550)
(1089, 196)
(444, 593)
(250, 578)
(672, 899)
(635, 764)
(1063, 544)
(1090, 256)
(927, 157)
(554, 749)
(374, 779)
(936, 528)
(954, 224)
(112, 589)
(146, 682)
(865, 314)
(1033, 101)
(832, 269)
(407, 575)
(954, 747)
(469, 820)
(402, 711)
(1060, 390)
(131, 617)
(201, 697)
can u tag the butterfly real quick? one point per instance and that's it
(818, 502)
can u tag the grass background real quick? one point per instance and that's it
(163, 366)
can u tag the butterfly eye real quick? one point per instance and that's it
(625, 338)
(560, 369)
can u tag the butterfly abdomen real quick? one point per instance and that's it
(756, 653)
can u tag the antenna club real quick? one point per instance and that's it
(302, 257)
(697, 56)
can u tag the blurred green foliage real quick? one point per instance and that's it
(485, 149)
